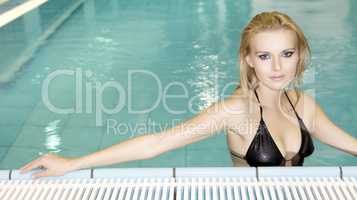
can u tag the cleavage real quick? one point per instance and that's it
(275, 137)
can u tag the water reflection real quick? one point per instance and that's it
(53, 140)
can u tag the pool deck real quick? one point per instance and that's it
(11, 10)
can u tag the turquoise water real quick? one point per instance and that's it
(192, 43)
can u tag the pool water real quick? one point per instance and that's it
(193, 44)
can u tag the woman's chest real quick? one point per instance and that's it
(282, 130)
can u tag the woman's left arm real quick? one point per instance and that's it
(328, 132)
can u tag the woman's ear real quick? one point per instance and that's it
(249, 61)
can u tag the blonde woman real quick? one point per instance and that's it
(266, 124)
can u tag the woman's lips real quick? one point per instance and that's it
(277, 78)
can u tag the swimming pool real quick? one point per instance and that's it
(191, 43)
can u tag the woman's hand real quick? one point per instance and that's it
(53, 165)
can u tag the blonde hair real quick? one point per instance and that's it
(270, 21)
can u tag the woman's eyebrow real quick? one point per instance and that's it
(269, 52)
(289, 49)
(261, 52)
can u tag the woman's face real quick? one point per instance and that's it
(274, 56)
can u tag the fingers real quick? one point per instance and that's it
(41, 174)
(50, 165)
(25, 166)
(32, 165)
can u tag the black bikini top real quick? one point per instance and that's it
(263, 151)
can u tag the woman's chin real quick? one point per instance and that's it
(278, 85)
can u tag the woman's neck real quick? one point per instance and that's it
(268, 97)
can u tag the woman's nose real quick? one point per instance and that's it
(276, 64)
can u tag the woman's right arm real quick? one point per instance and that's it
(208, 122)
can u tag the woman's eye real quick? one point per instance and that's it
(288, 54)
(264, 57)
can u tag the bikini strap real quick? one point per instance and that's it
(291, 105)
(261, 109)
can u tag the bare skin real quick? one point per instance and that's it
(273, 53)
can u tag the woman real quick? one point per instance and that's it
(267, 125)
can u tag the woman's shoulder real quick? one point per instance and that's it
(305, 105)
(301, 98)
(237, 102)
(240, 108)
